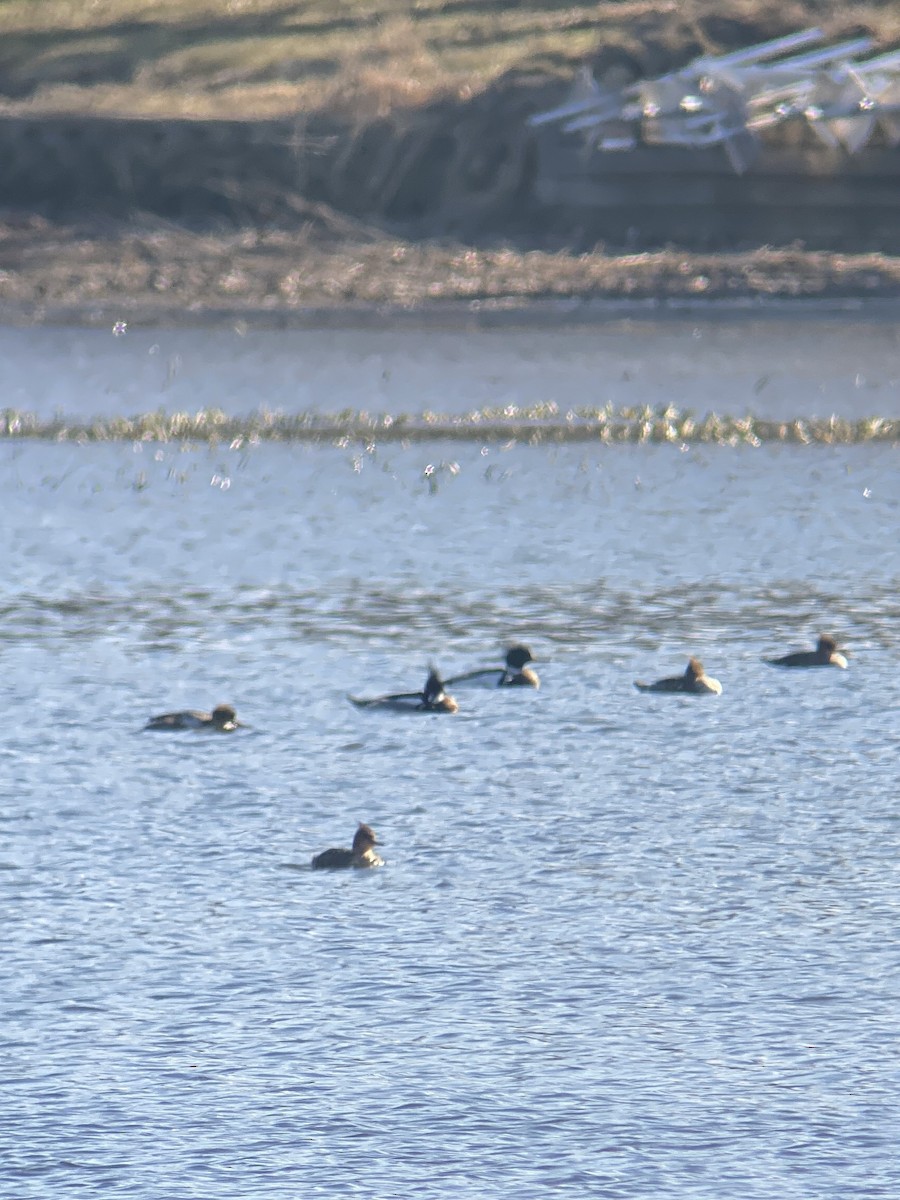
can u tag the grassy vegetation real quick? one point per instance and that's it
(143, 275)
(340, 236)
(544, 422)
(260, 58)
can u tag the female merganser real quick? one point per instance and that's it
(362, 854)
(432, 698)
(514, 674)
(222, 719)
(826, 654)
(694, 681)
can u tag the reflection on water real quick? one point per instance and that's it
(623, 945)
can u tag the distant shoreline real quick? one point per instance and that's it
(453, 315)
(158, 275)
(293, 170)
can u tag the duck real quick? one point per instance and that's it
(826, 654)
(432, 699)
(361, 855)
(222, 719)
(694, 681)
(515, 672)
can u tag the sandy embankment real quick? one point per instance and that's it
(427, 209)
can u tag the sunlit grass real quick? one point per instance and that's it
(259, 58)
(179, 54)
(533, 424)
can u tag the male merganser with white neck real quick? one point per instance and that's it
(516, 672)
(432, 699)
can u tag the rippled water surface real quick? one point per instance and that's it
(624, 945)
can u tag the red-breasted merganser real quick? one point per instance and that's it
(222, 719)
(432, 699)
(826, 654)
(362, 854)
(514, 674)
(693, 681)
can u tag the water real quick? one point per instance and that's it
(775, 367)
(624, 945)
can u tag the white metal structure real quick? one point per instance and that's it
(730, 99)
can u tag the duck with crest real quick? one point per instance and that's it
(826, 654)
(222, 719)
(432, 699)
(694, 682)
(361, 855)
(514, 673)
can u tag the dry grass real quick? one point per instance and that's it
(357, 60)
(262, 58)
(536, 424)
(61, 273)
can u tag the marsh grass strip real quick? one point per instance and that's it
(535, 424)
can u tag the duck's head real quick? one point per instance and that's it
(434, 687)
(223, 715)
(364, 839)
(694, 669)
(826, 645)
(518, 656)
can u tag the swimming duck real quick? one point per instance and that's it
(362, 854)
(826, 654)
(694, 680)
(432, 698)
(222, 719)
(514, 674)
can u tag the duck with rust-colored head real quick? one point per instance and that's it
(222, 719)
(432, 699)
(694, 682)
(515, 672)
(826, 654)
(361, 855)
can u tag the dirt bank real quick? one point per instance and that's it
(398, 171)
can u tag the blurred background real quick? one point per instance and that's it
(418, 141)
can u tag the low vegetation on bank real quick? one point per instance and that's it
(407, 125)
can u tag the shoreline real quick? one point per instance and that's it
(452, 315)
(153, 274)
